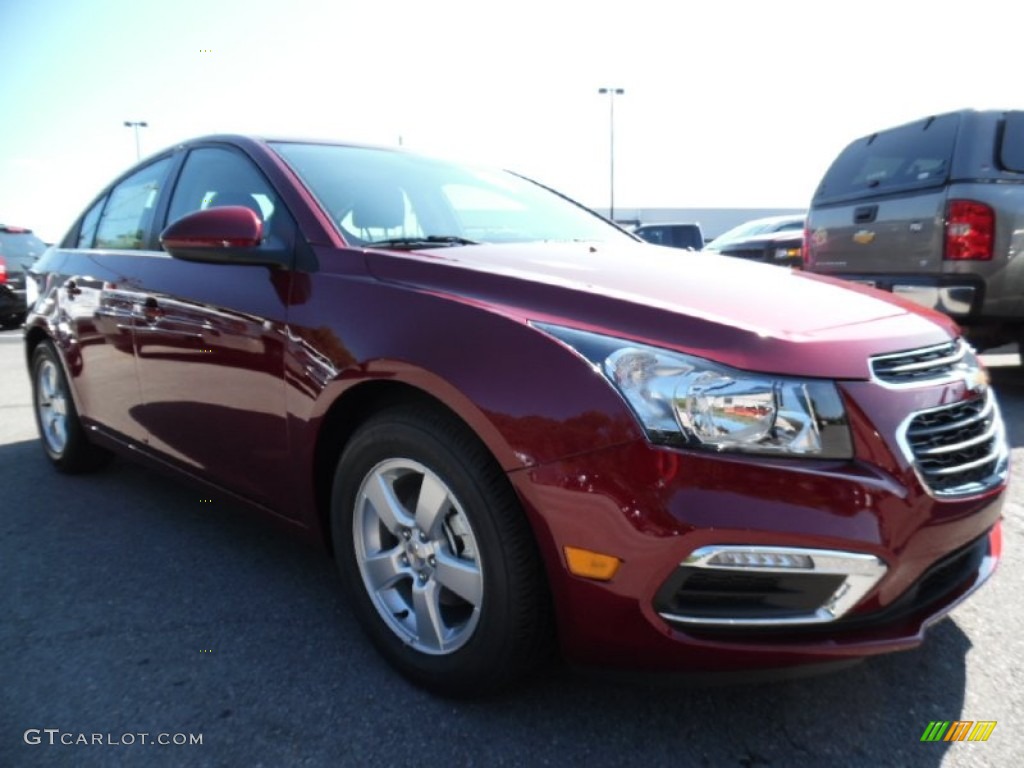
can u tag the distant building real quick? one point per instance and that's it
(713, 221)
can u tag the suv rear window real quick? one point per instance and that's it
(1011, 148)
(21, 244)
(912, 156)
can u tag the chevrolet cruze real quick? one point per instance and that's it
(518, 429)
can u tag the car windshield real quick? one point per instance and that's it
(389, 197)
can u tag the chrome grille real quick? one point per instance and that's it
(960, 448)
(916, 366)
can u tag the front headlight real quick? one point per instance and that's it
(684, 400)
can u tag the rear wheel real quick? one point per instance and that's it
(61, 432)
(437, 556)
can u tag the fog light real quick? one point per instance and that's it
(739, 559)
(591, 565)
(749, 585)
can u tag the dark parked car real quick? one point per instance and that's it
(688, 236)
(772, 240)
(19, 249)
(517, 427)
(933, 211)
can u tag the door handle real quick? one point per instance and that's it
(865, 214)
(148, 310)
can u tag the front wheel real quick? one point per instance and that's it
(60, 430)
(436, 555)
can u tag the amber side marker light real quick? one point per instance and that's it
(591, 565)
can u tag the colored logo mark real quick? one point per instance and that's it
(958, 730)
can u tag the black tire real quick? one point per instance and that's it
(480, 535)
(60, 431)
(11, 321)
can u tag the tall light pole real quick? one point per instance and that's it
(136, 125)
(612, 93)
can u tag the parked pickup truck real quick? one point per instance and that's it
(933, 211)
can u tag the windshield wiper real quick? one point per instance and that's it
(427, 241)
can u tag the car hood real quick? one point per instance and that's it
(753, 316)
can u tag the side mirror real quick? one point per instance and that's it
(228, 235)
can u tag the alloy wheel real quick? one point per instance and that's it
(418, 556)
(52, 406)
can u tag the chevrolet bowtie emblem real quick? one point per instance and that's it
(864, 236)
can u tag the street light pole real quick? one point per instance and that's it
(612, 93)
(136, 125)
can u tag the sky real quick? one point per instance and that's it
(726, 104)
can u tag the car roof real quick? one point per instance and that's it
(250, 139)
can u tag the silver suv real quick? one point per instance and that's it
(933, 211)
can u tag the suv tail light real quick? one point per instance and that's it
(970, 231)
(805, 248)
(3, 270)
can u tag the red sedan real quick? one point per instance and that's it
(516, 427)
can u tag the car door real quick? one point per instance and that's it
(210, 340)
(99, 272)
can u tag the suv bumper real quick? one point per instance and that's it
(12, 301)
(959, 296)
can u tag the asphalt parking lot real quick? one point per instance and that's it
(131, 607)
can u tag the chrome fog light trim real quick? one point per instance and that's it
(860, 574)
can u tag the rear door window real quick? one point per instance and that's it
(128, 215)
(913, 156)
(87, 231)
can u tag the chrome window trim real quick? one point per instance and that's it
(862, 573)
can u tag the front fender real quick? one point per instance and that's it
(529, 398)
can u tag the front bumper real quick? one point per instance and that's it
(657, 508)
